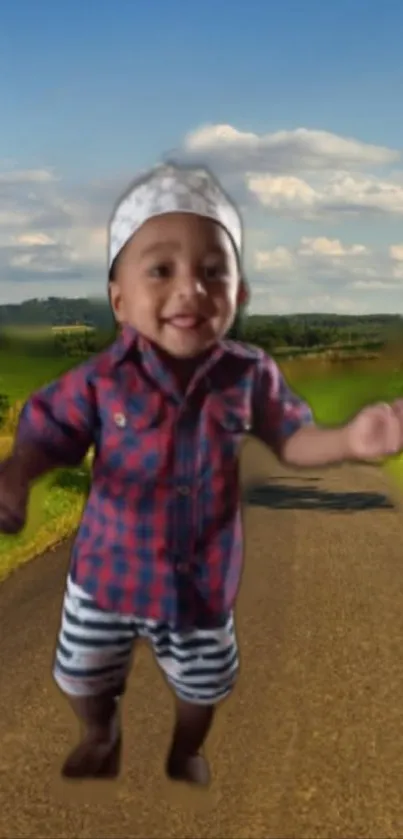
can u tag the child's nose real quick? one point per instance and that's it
(190, 284)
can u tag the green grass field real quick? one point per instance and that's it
(56, 501)
(19, 375)
(55, 508)
(334, 391)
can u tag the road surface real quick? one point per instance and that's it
(310, 744)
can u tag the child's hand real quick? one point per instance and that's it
(377, 431)
(14, 494)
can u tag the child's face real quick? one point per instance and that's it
(177, 282)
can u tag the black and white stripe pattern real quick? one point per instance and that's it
(95, 648)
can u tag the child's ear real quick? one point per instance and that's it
(243, 293)
(115, 300)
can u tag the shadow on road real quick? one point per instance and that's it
(312, 498)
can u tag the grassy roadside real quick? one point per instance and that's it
(54, 513)
(57, 502)
(334, 399)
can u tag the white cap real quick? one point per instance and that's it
(168, 188)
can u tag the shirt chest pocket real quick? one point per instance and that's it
(133, 438)
(227, 422)
(230, 416)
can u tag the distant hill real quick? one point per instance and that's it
(57, 311)
(63, 311)
(330, 320)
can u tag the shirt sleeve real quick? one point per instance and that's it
(277, 411)
(60, 419)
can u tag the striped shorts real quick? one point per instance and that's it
(94, 652)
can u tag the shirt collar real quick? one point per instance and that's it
(126, 341)
(130, 340)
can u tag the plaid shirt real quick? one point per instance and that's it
(160, 536)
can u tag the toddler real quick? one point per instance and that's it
(158, 553)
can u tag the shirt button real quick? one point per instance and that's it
(178, 562)
(180, 566)
(183, 490)
(120, 420)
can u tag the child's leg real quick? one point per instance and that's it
(92, 660)
(192, 725)
(201, 666)
(98, 754)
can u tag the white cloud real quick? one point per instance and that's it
(396, 252)
(329, 247)
(296, 185)
(283, 192)
(23, 260)
(90, 247)
(278, 259)
(34, 240)
(284, 151)
(315, 254)
(334, 194)
(301, 173)
(13, 218)
(319, 269)
(50, 233)
(26, 176)
(323, 256)
(285, 304)
(374, 285)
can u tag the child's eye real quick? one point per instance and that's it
(213, 272)
(161, 271)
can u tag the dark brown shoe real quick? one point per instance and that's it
(94, 759)
(191, 770)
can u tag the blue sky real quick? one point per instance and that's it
(91, 92)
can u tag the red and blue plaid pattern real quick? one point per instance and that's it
(160, 536)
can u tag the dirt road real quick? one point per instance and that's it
(310, 745)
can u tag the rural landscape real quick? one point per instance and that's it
(296, 114)
(317, 711)
(338, 363)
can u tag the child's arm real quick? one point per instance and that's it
(284, 422)
(56, 426)
(315, 446)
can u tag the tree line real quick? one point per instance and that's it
(96, 329)
(305, 331)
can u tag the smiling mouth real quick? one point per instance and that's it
(185, 322)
